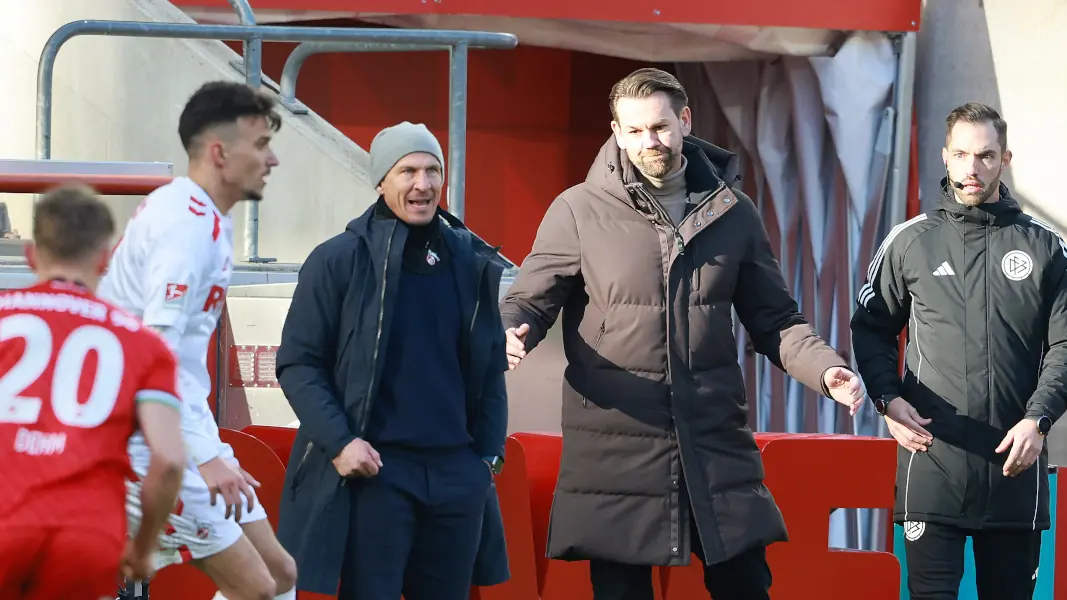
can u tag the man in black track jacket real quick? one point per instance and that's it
(982, 289)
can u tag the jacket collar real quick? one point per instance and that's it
(708, 167)
(1001, 212)
(452, 228)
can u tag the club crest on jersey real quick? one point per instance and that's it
(176, 294)
(432, 257)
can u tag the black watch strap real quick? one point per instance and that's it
(881, 404)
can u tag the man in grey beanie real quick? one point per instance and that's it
(392, 356)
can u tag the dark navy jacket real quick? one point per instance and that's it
(329, 365)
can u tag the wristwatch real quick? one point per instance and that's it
(1044, 424)
(496, 464)
(881, 403)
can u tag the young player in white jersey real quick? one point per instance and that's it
(172, 268)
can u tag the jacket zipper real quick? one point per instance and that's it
(988, 356)
(688, 494)
(477, 299)
(596, 345)
(663, 215)
(679, 241)
(986, 230)
(474, 318)
(377, 336)
(674, 427)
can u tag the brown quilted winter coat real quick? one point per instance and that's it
(653, 396)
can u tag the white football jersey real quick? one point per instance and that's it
(171, 268)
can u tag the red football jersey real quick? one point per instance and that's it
(72, 368)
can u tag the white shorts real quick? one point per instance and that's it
(196, 529)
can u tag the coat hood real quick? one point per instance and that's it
(708, 165)
(1004, 210)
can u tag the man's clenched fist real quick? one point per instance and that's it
(358, 459)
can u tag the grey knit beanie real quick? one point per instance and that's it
(393, 143)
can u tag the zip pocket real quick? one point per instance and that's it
(300, 468)
(596, 345)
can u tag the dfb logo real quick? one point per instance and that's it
(214, 299)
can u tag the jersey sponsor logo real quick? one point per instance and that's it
(214, 299)
(175, 294)
(1017, 265)
(913, 530)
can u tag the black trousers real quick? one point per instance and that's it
(1005, 561)
(744, 577)
(416, 527)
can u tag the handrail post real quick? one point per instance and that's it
(457, 129)
(903, 98)
(304, 51)
(253, 61)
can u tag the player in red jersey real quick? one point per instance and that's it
(77, 377)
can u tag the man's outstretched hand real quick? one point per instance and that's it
(516, 344)
(844, 387)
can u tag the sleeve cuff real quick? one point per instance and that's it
(201, 452)
(333, 450)
(159, 397)
(822, 377)
(1035, 412)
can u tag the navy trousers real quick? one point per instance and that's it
(416, 526)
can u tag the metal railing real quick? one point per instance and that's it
(457, 99)
(459, 41)
(295, 62)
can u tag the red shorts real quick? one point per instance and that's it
(58, 563)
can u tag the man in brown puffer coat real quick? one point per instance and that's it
(645, 259)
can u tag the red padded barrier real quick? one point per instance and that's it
(808, 474)
(279, 439)
(1060, 575)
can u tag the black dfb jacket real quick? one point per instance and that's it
(983, 291)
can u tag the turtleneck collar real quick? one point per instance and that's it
(672, 184)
